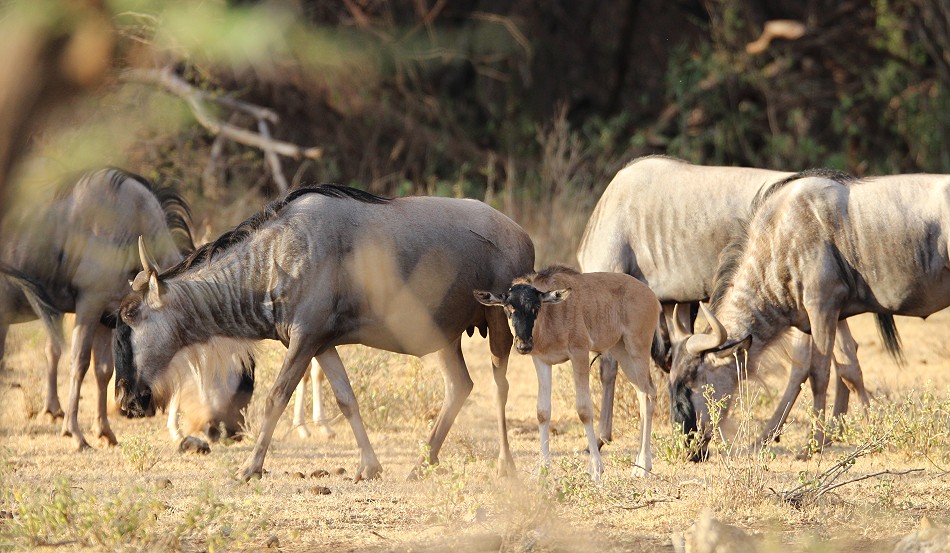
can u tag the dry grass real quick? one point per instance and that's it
(142, 494)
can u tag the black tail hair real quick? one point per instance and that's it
(892, 340)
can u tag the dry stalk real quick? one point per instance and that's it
(810, 492)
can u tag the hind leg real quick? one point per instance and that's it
(54, 350)
(608, 383)
(458, 386)
(300, 401)
(104, 366)
(320, 418)
(636, 365)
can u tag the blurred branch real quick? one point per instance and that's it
(172, 83)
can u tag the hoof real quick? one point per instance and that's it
(192, 444)
(246, 474)
(107, 438)
(369, 473)
(506, 467)
(52, 414)
(326, 431)
(302, 432)
(640, 472)
(81, 445)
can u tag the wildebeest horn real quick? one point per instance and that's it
(148, 263)
(679, 329)
(699, 343)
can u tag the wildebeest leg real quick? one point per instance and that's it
(608, 383)
(300, 350)
(320, 418)
(585, 409)
(458, 385)
(499, 342)
(637, 368)
(173, 429)
(83, 337)
(847, 371)
(544, 410)
(300, 402)
(54, 350)
(823, 325)
(801, 362)
(332, 366)
(104, 366)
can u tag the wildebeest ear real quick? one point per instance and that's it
(556, 296)
(488, 298)
(140, 282)
(729, 348)
(156, 289)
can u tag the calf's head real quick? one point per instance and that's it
(522, 303)
(703, 369)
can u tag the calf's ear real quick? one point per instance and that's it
(487, 298)
(556, 296)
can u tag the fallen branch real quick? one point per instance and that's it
(172, 83)
(647, 503)
(812, 491)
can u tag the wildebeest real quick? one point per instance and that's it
(330, 265)
(820, 247)
(212, 394)
(80, 249)
(665, 222)
(315, 377)
(558, 315)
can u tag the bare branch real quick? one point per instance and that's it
(174, 84)
(272, 161)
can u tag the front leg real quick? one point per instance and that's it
(104, 367)
(823, 326)
(585, 410)
(499, 342)
(83, 336)
(544, 410)
(799, 373)
(299, 351)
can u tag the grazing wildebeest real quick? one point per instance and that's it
(820, 247)
(665, 222)
(212, 394)
(558, 315)
(80, 249)
(315, 377)
(325, 266)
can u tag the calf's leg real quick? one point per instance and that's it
(636, 366)
(320, 418)
(544, 410)
(585, 409)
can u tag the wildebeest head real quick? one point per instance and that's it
(144, 341)
(702, 370)
(522, 303)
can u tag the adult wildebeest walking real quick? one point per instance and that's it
(80, 249)
(820, 247)
(326, 266)
(665, 222)
(558, 315)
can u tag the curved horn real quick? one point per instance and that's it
(699, 343)
(680, 332)
(148, 263)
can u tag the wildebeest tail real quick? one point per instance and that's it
(659, 350)
(892, 341)
(38, 299)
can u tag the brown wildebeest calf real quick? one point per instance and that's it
(606, 312)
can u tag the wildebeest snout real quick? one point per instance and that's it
(524, 347)
(134, 403)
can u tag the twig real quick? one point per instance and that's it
(174, 84)
(865, 477)
(272, 160)
(647, 503)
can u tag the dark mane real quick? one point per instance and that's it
(731, 255)
(177, 213)
(654, 156)
(241, 232)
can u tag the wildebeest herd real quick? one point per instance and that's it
(772, 256)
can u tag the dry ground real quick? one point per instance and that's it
(144, 494)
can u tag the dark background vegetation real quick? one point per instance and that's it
(469, 93)
(530, 98)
